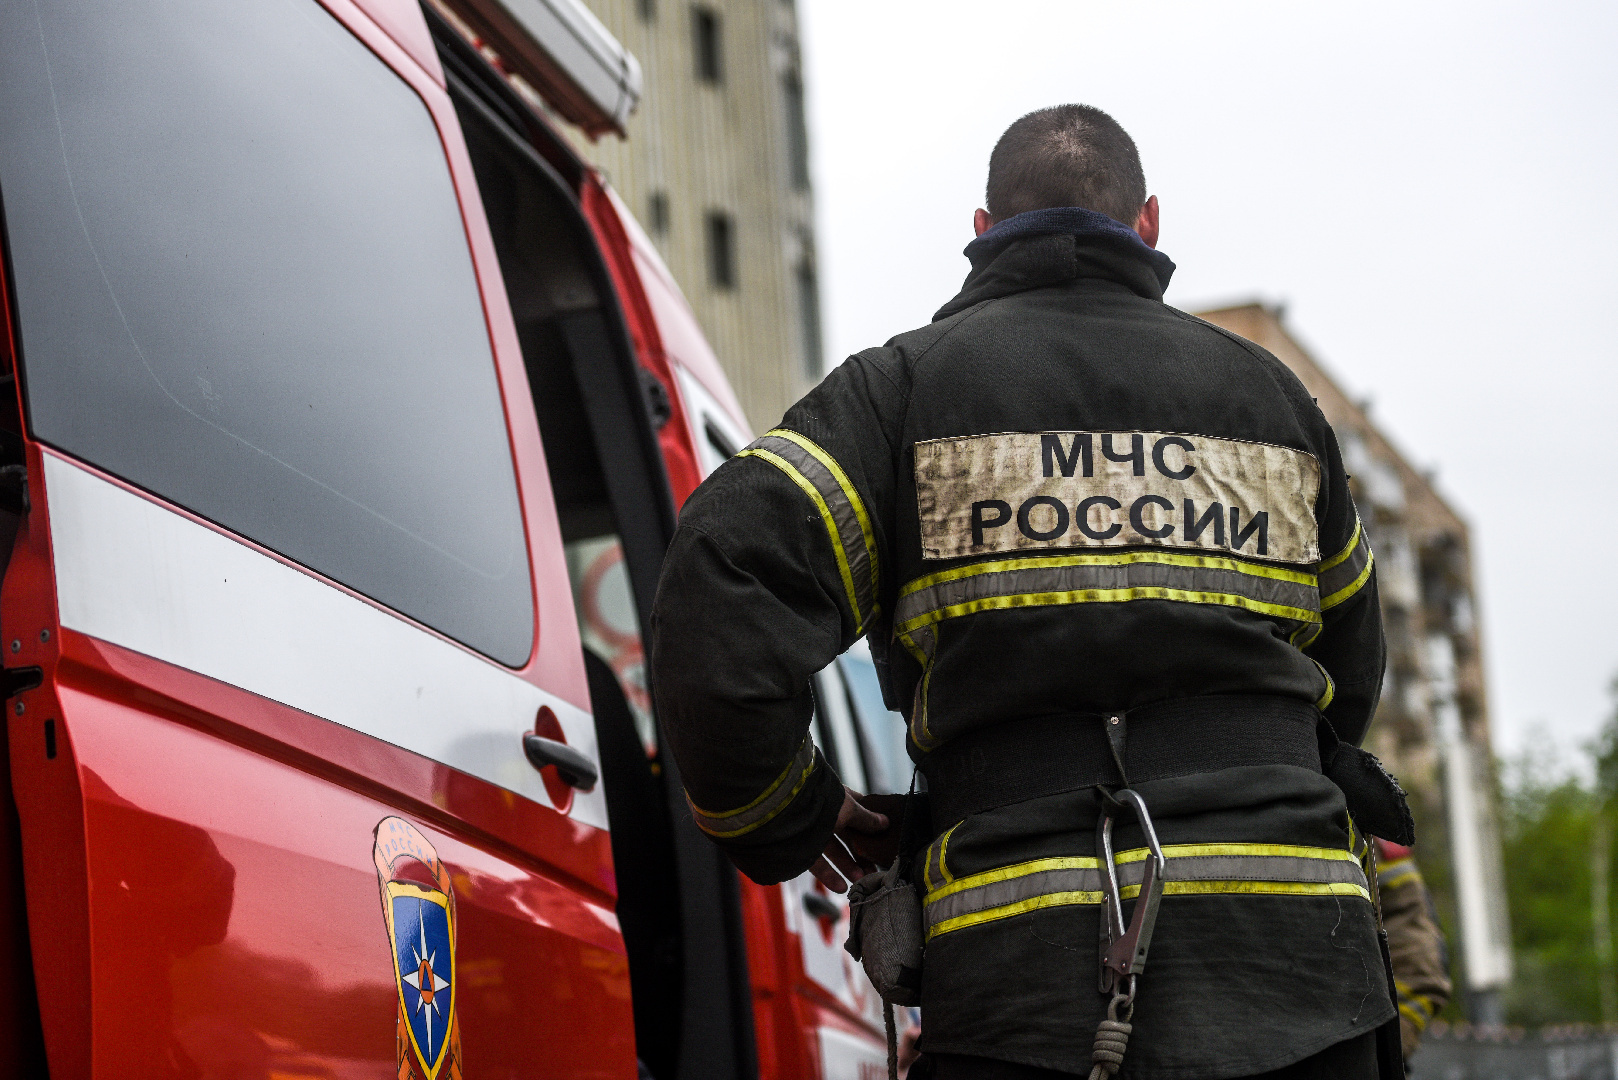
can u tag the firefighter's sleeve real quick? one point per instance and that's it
(1349, 647)
(774, 571)
(1415, 944)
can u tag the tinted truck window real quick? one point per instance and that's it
(243, 283)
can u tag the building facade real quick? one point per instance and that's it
(716, 167)
(1432, 726)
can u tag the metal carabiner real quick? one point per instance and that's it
(1123, 948)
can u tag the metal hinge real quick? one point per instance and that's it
(15, 680)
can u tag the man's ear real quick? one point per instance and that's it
(1146, 223)
(981, 221)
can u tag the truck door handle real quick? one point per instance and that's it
(574, 768)
(821, 907)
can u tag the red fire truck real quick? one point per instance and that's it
(346, 414)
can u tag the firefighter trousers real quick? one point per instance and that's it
(1352, 1059)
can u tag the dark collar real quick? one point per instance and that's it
(1047, 247)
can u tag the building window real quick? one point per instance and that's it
(657, 213)
(648, 10)
(721, 250)
(706, 30)
(808, 283)
(797, 130)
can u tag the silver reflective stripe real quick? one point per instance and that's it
(1287, 595)
(775, 798)
(1345, 573)
(1193, 870)
(1300, 868)
(1060, 884)
(841, 509)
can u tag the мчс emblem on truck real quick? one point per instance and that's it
(418, 908)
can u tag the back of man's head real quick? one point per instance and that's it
(1066, 155)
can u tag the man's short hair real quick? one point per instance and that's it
(1066, 155)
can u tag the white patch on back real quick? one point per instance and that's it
(985, 494)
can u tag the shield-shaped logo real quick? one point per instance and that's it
(418, 908)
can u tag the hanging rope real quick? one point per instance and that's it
(1112, 1038)
(893, 1042)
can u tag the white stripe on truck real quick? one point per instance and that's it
(134, 573)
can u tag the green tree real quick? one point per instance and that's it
(1547, 830)
(1550, 819)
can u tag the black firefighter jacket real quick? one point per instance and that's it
(1061, 498)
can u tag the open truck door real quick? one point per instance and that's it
(730, 978)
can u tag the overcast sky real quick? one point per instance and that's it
(1428, 188)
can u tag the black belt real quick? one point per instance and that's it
(1018, 760)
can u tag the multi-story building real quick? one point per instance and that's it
(715, 164)
(1432, 727)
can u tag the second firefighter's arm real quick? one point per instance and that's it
(774, 571)
(1415, 943)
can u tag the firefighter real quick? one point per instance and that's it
(1106, 559)
(1415, 942)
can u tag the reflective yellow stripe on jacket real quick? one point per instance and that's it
(842, 510)
(1397, 872)
(744, 819)
(1193, 870)
(1287, 595)
(1417, 1008)
(1330, 692)
(1346, 572)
